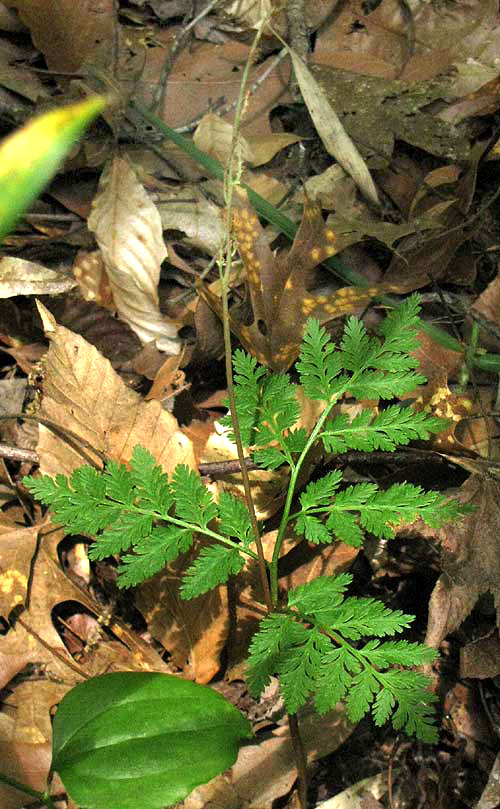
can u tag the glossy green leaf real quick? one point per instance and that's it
(135, 739)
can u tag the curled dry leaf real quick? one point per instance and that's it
(128, 230)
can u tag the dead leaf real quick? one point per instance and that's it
(82, 394)
(470, 560)
(128, 229)
(188, 210)
(68, 33)
(17, 547)
(329, 128)
(20, 277)
(280, 299)
(267, 771)
(90, 275)
(27, 763)
(193, 632)
(33, 701)
(481, 658)
(377, 111)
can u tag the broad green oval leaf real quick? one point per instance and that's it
(135, 739)
(29, 157)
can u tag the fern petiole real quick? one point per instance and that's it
(273, 568)
(207, 532)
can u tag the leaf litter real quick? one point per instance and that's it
(420, 119)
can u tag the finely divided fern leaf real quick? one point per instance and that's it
(310, 651)
(213, 566)
(193, 501)
(322, 645)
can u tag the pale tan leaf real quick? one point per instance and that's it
(214, 136)
(188, 210)
(250, 12)
(128, 230)
(91, 277)
(21, 277)
(33, 701)
(83, 394)
(329, 128)
(264, 148)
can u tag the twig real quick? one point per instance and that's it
(18, 454)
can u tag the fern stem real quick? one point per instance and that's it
(43, 797)
(286, 517)
(300, 756)
(231, 179)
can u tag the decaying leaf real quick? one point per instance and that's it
(20, 277)
(93, 414)
(333, 135)
(470, 560)
(376, 111)
(278, 285)
(128, 229)
(69, 33)
(214, 136)
(17, 547)
(193, 632)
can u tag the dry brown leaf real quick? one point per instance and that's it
(21, 277)
(17, 547)
(128, 230)
(267, 771)
(34, 635)
(329, 128)
(49, 586)
(470, 560)
(375, 112)
(278, 285)
(188, 210)
(204, 72)
(193, 632)
(481, 658)
(91, 277)
(83, 394)
(27, 763)
(33, 701)
(214, 136)
(69, 33)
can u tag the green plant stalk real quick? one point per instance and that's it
(43, 797)
(486, 362)
(225, 266)
(196, 529)
(225, 274)
(292, 485)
